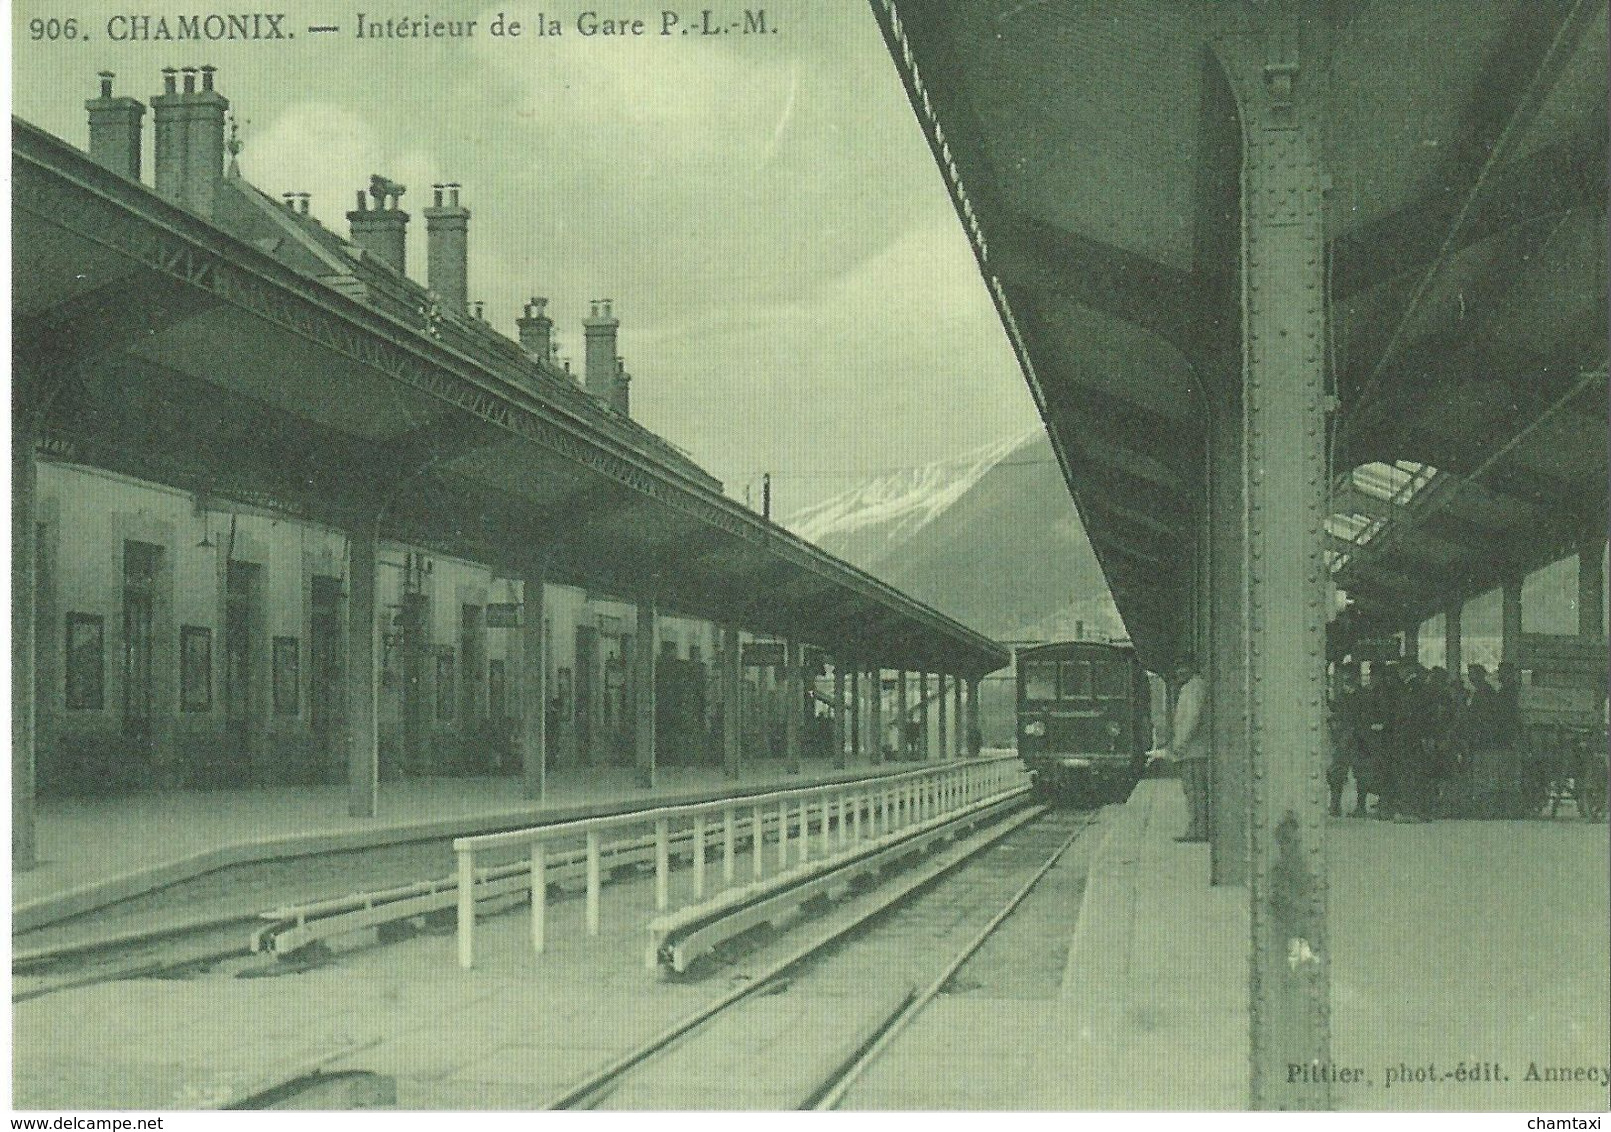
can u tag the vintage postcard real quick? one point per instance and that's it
(920, 555)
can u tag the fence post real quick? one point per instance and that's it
(662, 864)
(466, 908)
(699, 856)
(729, 836)
(539, 895)
(592, 882)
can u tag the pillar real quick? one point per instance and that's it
(960, 741)
(794, 703)
(973, 718)
(363, 749)
(1510, 622)
(856, 708)
(842, 715)
(1284, 426)
(902, 714)
(1591, 584)
(645, 646)
(875, 725)
(942, 732)
(1451, 641)
(732, 701)
(1412, 643)
(24, 708)
(533, 692)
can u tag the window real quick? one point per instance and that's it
(287, 666)
(1076, 679)
(1112, 679)
(195, 668)
(444, 686)
(86, 666)
(1040, 680)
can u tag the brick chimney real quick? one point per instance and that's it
(620, 391)
(536, 331)
(600, 368)
(114, 130)
(447, 249)
(189, 139)
(381, 228)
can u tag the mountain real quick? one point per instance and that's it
(989, 537)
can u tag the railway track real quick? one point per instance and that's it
(829, 1008)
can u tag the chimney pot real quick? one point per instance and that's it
(436, 191)
(480, 310)
(106, 83)
(169, 80)
(190, 79)
(207, 77)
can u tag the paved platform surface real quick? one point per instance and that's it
(93, 851)
(1454, 944)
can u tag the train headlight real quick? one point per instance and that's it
(1035, 728)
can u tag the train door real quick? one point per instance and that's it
(241, 649)
(325, 708)
(587, 651)
(140, 561)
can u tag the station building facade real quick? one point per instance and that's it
(190, 641)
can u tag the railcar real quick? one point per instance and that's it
(1084, 718)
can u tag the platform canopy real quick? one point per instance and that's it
(1093, 154)
(151, 342)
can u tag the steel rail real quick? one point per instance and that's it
(831, 1092)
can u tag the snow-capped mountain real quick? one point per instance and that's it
(989, 537)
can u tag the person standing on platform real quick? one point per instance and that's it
(1188, 746)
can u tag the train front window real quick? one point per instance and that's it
(1112, 681)
(1040, 680)
(1076, 679)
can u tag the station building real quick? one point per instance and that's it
(189, 641)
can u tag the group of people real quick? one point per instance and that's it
(1426, 745)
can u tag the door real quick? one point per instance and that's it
(241, 659)
(140, 562)
(325, 707)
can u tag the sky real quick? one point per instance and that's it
(795, 293)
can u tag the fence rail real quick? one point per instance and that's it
(801, 822)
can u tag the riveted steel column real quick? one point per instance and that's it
(1231, 769)
(794, 703)
(1591, 583)
(842, 713)
(1451, 640)
(643, 692)
(1510, 622)
(534, 691)
(944, 751)
(1284, 413)
(732, 701)
(363, 737)
(24, 534)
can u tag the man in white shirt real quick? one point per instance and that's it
(1189, 746)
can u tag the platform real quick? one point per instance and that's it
(96, 851)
